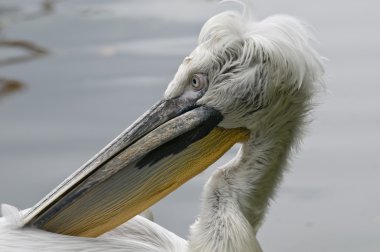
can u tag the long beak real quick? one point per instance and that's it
(171, 143)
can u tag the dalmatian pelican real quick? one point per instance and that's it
(249, 82)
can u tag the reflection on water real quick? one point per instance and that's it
(32, 51)
(9, 86)
(11, 12)
(109, 61)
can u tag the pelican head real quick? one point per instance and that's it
(243, 79)
(254, 73)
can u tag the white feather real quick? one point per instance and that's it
(139, 235)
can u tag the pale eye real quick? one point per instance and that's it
(199, 81)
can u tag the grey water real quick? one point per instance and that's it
(109, 61)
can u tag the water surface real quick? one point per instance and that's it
(109, 61)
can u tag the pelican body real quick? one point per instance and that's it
(246, 82)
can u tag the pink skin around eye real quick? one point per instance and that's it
(199, 81)
(194, 89)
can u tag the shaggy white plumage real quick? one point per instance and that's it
(262, 76)
(138, 235)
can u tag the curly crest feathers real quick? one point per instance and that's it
(284, 39)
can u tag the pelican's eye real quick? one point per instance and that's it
(199, 81)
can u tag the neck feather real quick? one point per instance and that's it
(236, 197)
(257, 171)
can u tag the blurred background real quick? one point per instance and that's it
(74, 74)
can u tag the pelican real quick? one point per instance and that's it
(249, 82)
